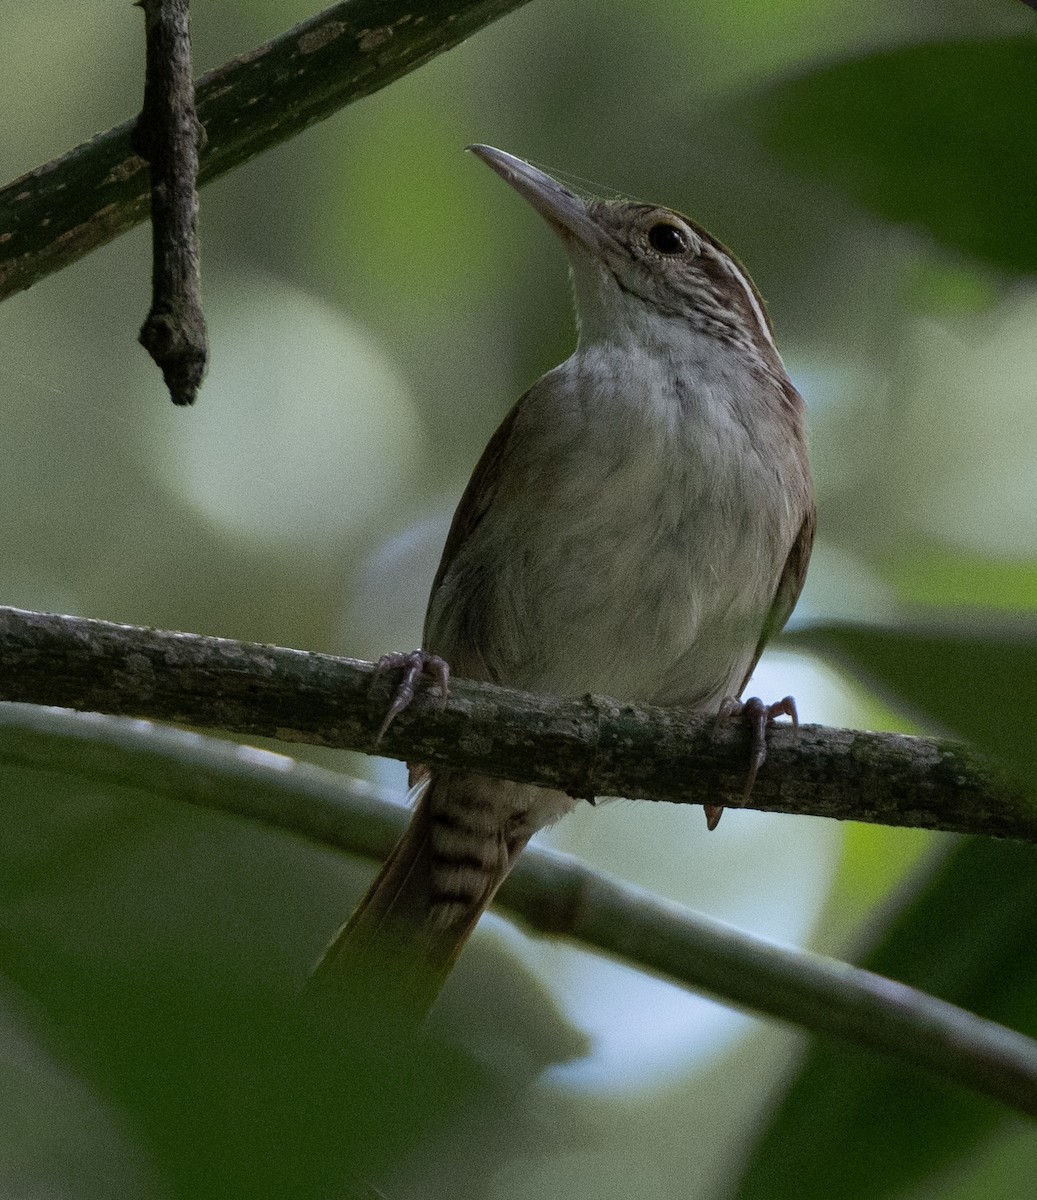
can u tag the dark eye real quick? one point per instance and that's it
(667, 238)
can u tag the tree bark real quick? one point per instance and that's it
(66, 208)
(167, 134)
(588, 746)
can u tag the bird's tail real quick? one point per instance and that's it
(400, 944)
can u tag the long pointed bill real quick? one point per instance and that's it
(563, 211)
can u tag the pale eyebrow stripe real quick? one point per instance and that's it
(750, 295)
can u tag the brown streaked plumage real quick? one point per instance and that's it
(639, 525)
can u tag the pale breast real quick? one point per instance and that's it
(633, 547)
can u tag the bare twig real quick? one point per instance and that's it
(66, 208)
(588, 746)
(549, 891)
(556, 894)
(167, 134)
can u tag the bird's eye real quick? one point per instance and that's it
(667, 238)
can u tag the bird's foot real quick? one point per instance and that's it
(757, 716)
(413, 663)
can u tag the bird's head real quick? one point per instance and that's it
(642, 271)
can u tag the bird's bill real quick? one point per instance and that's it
(565, 212)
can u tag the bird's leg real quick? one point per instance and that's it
(413, 663)
(757, 716)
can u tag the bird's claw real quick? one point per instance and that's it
(757, 716)
(413, 663)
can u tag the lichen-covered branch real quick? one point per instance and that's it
(66, 208)
(589, 746)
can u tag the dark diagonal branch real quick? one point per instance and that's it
(66, 208)
(592, 746)
(167, 134)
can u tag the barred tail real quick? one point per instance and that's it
(405, 935)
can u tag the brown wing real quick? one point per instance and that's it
(789, 586)
(477, 496)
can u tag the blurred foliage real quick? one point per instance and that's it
(971, 674)
(940, 135)
(164, 1018)
(376, 303)
(961, 579)
(967, 935)
(854, 1124)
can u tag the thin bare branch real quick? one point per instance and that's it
(559, 895)
(550, 892)
(167, 134)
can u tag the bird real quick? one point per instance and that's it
(639, 525)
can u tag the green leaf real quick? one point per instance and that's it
(856, 1125)
(956, 578)
(58, 1137)
(160, 947)
(940, 136)
(973, 675)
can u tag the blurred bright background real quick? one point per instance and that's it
(377, 301)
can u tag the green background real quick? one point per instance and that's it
(377, 300)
